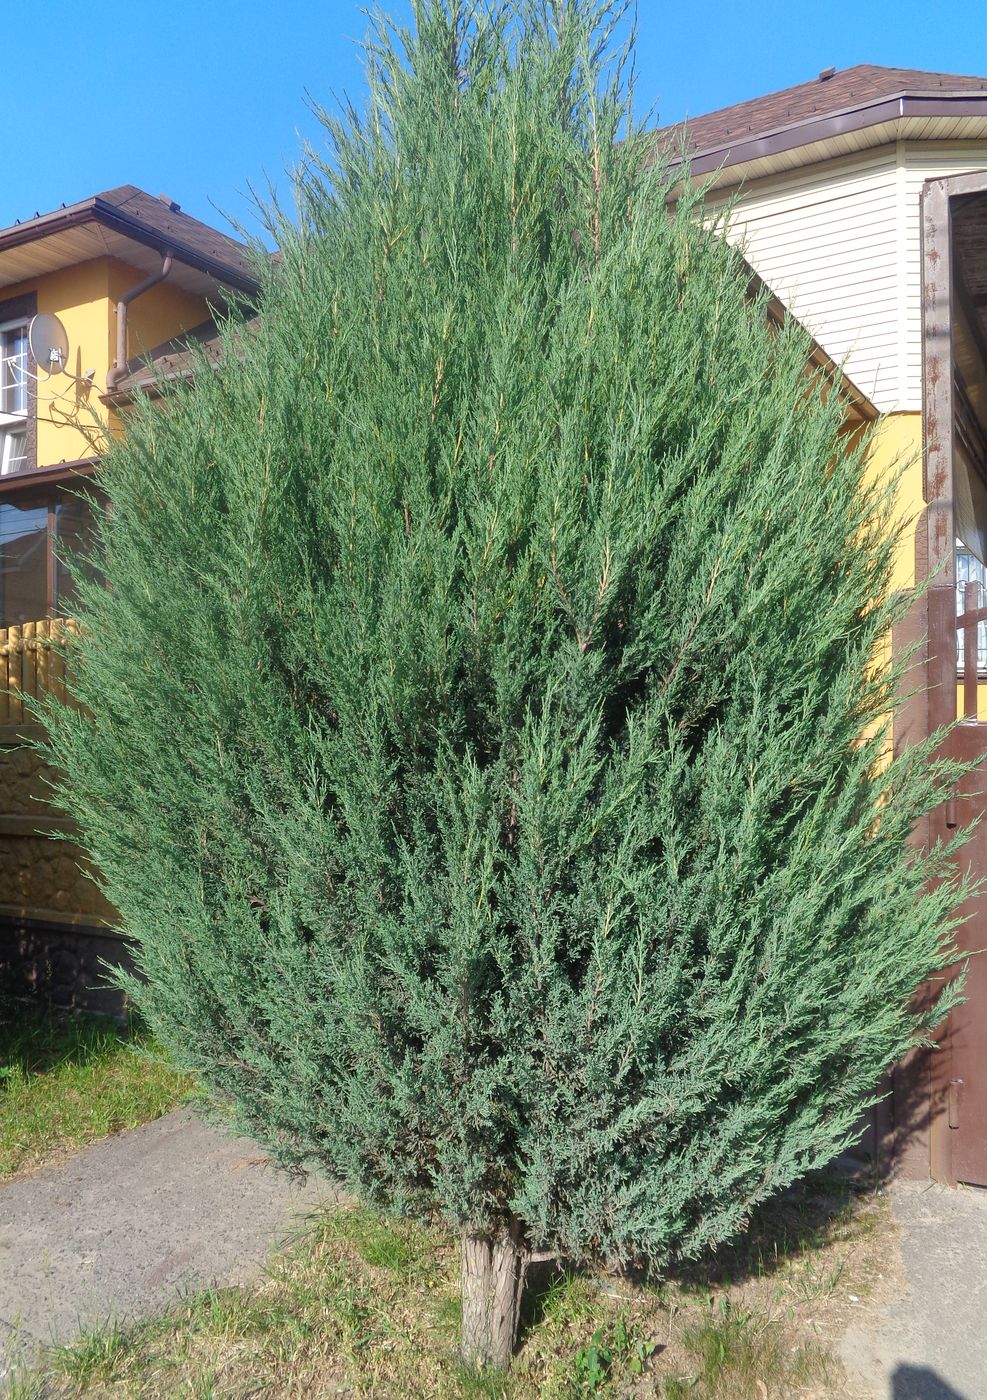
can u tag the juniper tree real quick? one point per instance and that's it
(481, 740)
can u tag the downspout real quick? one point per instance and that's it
(119, 369)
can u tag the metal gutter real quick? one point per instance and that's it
(119, 368)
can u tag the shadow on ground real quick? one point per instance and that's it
(921, 1383)
(820, 1209)
(808, 1216)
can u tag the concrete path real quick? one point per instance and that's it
(931, 1344)
(127, 1224)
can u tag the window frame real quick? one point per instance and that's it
(19, 311)
(973, 571)
(48, 495)
(14, 425)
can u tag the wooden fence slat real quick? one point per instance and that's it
(29, 663)
(71, 626)
(57, 660)
(14, 672)
(44, 635)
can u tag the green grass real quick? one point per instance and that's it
(67, 1080)
(735, 1351)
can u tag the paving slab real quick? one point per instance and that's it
(931, 1343)
(126, 1225)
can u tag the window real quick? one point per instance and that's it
(35, 530)
(970, 570)
(13, 397)
(23, 561)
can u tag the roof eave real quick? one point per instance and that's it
(96, 210)
(832, 124)
(120, 222)
(153, 386)
(56, 474)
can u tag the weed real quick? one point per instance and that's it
(24, 1388)
(95, 1356)
(605, 1353)
(592, 1364)
(736, 1351)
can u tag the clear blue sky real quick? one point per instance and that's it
(200, 100)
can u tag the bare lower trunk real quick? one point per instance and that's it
(494, 1267)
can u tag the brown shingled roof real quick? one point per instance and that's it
(169, 222)
(153, 221)
(859, 96)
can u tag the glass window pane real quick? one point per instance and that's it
(75, 531)
(13, 372)
(13, 451)
(23, 562)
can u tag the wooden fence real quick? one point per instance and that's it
(30, 665)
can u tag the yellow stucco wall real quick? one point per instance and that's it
(71, 419)
(896, 447)
(69, 414)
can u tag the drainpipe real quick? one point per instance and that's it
(119, 368)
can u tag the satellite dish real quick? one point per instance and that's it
(48, 343)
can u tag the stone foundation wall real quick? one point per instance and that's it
(62, 965)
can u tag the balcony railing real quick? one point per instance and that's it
(30, 665)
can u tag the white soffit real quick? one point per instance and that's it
(884, 133)
(87, 241)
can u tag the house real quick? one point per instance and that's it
(861, 200)
(124, 273)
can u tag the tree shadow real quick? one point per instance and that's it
(817, 1211)
(545, 1278)
(34, 1039)
(921, 1383)
(822, 1208)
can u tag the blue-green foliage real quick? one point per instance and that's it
(481, 740)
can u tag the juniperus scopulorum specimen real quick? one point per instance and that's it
(481, 740)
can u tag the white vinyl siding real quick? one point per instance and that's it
(824, 240)
(839, 243)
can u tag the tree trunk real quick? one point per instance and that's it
(494, 1267)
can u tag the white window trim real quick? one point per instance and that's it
(13, 425)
